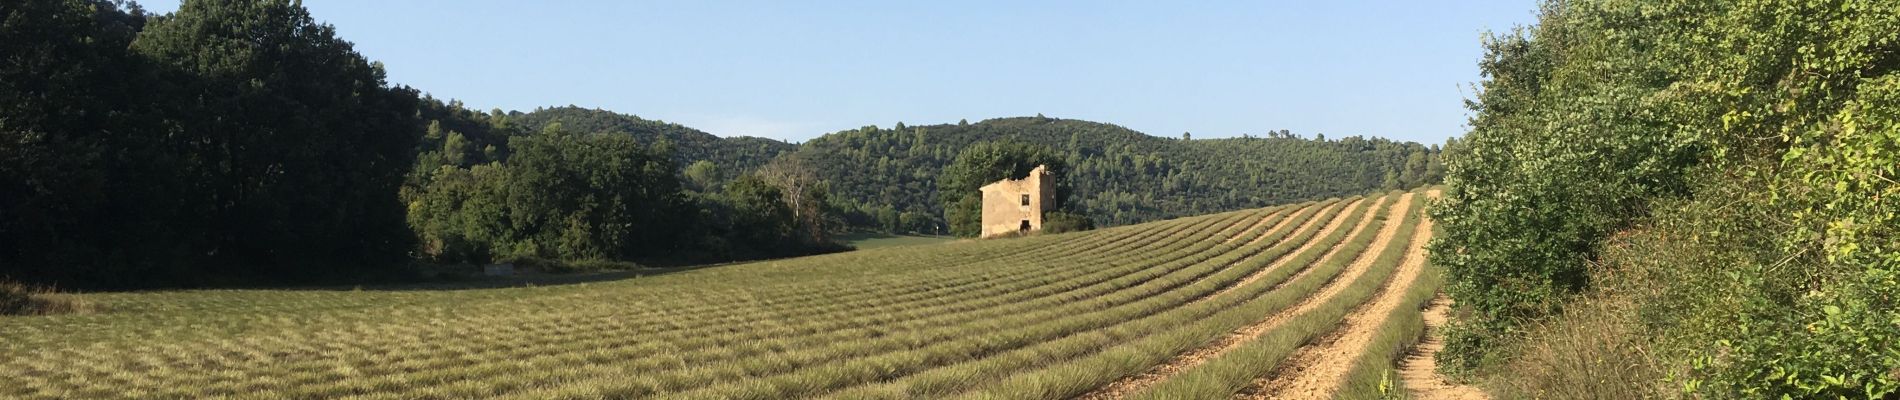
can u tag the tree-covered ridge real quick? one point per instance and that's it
(737, 153)
(886, 177)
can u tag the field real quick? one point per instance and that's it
(1308, 300)
(867, 241)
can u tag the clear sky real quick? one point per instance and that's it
(794, 70)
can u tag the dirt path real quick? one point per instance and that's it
(1317, 369)
(1419, 369)
(1182, 362)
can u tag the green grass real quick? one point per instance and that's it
(1044, 316)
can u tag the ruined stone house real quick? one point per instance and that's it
(1016, 205)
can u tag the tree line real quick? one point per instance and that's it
(242, 142)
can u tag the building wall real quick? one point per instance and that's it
(1003, 211)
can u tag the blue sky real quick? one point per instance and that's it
(794, 70)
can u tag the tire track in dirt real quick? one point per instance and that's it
(1419, 369)
(1184, 361)
(1318, 368)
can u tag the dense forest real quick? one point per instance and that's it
(241, 142)
(238, 142)
(889, 177)
(1695, 199)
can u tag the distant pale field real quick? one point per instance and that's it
(1303, 300)
(867, 241)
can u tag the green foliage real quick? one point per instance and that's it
(560, 195)
(1116, 176)
(240, 141)
(1061, 221)
(229, 141)
(1753, 144)
(983, 163)
(737, 154)
(703, 176)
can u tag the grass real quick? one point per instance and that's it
(1042, 316)
(878, 240)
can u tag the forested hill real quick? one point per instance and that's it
(886, 177)
(741, 153)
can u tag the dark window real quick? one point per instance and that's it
(1025, 199)
(1024, 227)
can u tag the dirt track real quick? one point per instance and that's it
(1419, 369)
(1132, 384)
(1320, 367)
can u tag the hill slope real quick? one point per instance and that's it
(1119, 176)
(886, 178)
(742, 153)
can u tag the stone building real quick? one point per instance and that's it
(1016, 205)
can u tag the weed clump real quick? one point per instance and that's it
(19, 299)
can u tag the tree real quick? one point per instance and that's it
(74, 142)
(988, 162)
(703, 175)
(803, 192)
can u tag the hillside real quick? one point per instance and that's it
(886, 178)
(740, 153)
(1199, 307)
(1119, 176)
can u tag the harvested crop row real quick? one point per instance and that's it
(1235, 368)
(929, 321)
(1320, 368)
(949, 379)
(479, 344)
(1239, 332)
(428, 372)
(1152, 294)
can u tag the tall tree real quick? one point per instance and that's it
(295, 141)
(72, 143)
(804, 193)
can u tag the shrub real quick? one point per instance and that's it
(1059, 222)
(20, 299)
(1745, 152)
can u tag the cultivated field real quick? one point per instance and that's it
(1301, 301)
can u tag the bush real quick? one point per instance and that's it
(553, 266)
(20, 299)
(1731, 166)
(1059, 222)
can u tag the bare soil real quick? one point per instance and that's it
(1184, 361)
(1320, 367)
(1419, 369)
